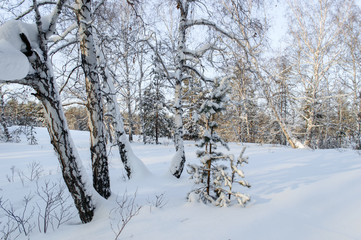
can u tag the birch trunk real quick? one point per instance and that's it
(309, 130)
(74, 176)
(7, 134)
(43, 82)
(140, 89)
(132, 164)
(179, 159)
(71, 168)
(129, 97)
(101, 181)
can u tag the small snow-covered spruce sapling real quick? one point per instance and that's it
(216, 176)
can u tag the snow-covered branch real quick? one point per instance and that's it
(98, 6)
(58, 48)
(74, 103)
(54, 17)
(39, 3)
(198, 73)
(169, 75)
(62, 36)
(204, 22)
(24, 81)
(200, 52)
(41, 31)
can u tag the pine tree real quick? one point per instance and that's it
(214, 181)
(157, 123)
(193, 97)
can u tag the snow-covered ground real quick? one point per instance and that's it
(296, 194)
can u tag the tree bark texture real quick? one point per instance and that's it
(101, 181)
(117, 122)
(76, 182)
(130, 161)
(179, 159)
(43, 82)
(7, 134)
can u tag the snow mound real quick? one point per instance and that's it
(13, 64)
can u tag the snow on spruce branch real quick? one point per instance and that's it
(217, 172)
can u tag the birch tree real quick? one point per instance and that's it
(188, 62)
(101, 181)
(118, 28)
(247, 51)
(179, 159)
(132, 164)
(351, 65)
(315, 35)
(108, 62)
(28, 43)
(4, 132)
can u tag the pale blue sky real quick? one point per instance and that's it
(279, 23)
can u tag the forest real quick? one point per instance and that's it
(201, 70)
(304, 92)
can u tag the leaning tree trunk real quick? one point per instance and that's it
(63, 145)
(43, 82)
(179, 159)
(101, 181)
(294, 143)
(132, 164)
(71, 167)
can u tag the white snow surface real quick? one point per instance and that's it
(295, 194)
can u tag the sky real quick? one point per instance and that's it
(279, 24)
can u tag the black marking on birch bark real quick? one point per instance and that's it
(178, 172)
(101, 180)
(43, 83)
(62, 146)
(60, 139)
(28, 50)
(123, 154)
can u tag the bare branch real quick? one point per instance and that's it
(204, 22)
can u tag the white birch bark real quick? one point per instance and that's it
(101, 181)
(132, 164)
(72, 169)
(179, 159)
(42, 80)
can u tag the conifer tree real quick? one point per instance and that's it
(214, 181)
(156, 120)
